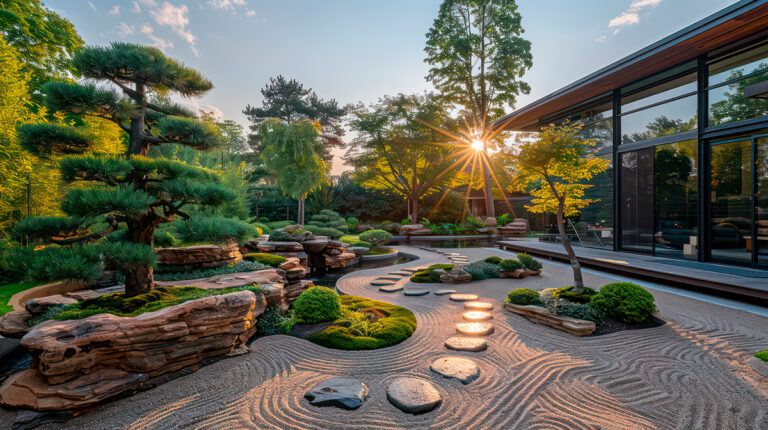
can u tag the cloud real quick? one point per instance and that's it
(158, 42)
(115, 10)
(250, 12)
(136, 8)
(601, 38)
(177, 18)
(92, 7)
(125, 30)
(226, 4)
(631, 15)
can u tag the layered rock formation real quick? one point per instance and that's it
(415, 230)
(78, 363)
(196, 257)
(317, 253)
(518, 227)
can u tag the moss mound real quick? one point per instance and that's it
(356, 330)
(317, 304)
(264, 258)
(524, 297)
(763, 355)
(567, 293)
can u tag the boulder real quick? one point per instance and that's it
(358, 250)
(759, 366)
(290, 263)
(489, 221)
(229, 280)
(316, 245)
(197, 257)
(343, 393)
(415, 230)
(457, 275)
(270, 247)
(41, 305)
(335, 244)
(338, 261)
(14, 324)
(542, 315)
(79, 363)
(83, 295)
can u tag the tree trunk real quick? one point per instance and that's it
(414, 210)
(490, 210)
(141, 279)
(300, 215)
(578, 281)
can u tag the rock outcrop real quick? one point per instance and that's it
(415, 230)
(318, 254)
(196, 257)
(457, 275)
(14, 324)
(79, 363)
(518, 227)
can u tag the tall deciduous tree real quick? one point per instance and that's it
(477, 56)
(555, 169)
(396, 150)
(292, 153)
(131, 189)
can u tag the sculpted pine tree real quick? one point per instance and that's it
(556, 168)
(131, 190)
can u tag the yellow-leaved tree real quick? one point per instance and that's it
(555, 169)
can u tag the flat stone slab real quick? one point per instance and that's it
(416, 292)
(463, 369)
(463, 297)
(342, 393)
(759, 366)
(391, 288)
(478, 306)
(444, 292)
(474, 328)
(399, 273)
(541, 315)
(476, 316)
(471, 344)
(382, 283)
(413, 395)
(390, 278)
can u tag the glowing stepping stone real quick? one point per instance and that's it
(416, 292)
(476, 316)
(463, 297)
(474, 328)
(444, 292)
(471, 344)
(391, 288)
(478, 306)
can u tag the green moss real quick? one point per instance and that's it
(568, 294)
(397, 325)
(426, 276)
(379, 251)
(763, 355)
(493, 260)
(264, 258)
(7, 291)
(524, 296)
(445, 267)
(317, 304)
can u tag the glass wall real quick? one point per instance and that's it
(728, 77)
(595, 222)
(761, 206)
(676, 200)
(637, 200)
(731, 201)
(597, 123)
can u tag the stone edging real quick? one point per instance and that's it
(542, 315)
(380, 257)
(18, 300)
(759, 366)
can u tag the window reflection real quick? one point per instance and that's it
(676, 182)
(670, 118)
(731, 201)
(761, 209)
(728, 78)
(595, 222)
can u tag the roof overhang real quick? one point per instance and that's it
(733, 24)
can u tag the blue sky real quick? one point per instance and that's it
(359, 50)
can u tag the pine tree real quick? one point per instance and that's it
(131, 189)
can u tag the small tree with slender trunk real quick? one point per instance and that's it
(555, 168)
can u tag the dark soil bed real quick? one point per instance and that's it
(611, 325)
(304, 330)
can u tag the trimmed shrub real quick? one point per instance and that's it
(264, 220)
(446, 267)
(264, 228)
(567, 293)
(264, 258)
(274, 225)
(511, 265)
(331, 232)
(523, 296)
(625, 301)
(493, 260)
(352, 333)
(481, 270)
(352, 223)
(280, 236)
(529, 262)
(354, 240)
(567, 308)
(375, 237)
(317, 304)
(763, 355)
(426, 276)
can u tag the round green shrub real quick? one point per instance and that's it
(511, 265)
(352, 222)
(325, 231)
(426, 276)
(280, 236)
(264, 258)
(263, 220)
(493, 260)
(375, 237)
(567, 293)
(529, 262)
(524, 296)
(625, 301)
(317, 304)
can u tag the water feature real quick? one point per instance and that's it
(446, 241)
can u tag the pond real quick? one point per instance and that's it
(447, 241)
(330, 277)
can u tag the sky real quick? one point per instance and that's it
(359, 50)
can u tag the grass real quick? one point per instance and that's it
(763, 355)
(7, 291)
(355, 330)
(117, 304)
(379, 251)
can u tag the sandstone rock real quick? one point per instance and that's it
(759, 366)
(196, 257)
(542, 315)
(474, 328)
(489, 221)
(340, 392)
(457, 275)
(333, 251)
(413, 395)
(270, 247)
(290, 263)
(78, 363)
(315, 245)
(14, 324)
(338, 261)
(335, 244)
(41, 305)
(415, 230)
(229, 280)
(83, 295)
(463, 369)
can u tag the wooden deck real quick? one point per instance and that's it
(728, 279)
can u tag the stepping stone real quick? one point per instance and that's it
(443, 292)
(455, 254)
(476, 316)
(471, 344)
(389, 278)
(415, 292)
(382, 283)
(474, 328)
(463, 369)
(399, 274)
(463, 297)
(342, 393)
(411, 270)
(413, 395)
(478, 306)
(391, 288)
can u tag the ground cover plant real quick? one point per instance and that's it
(7, 291)
(367, 324)
(241, 267)
(763, 355)
(354, 240)
(431, 274)
(274, 321)
(523, 296)
(264, 258)
(317, 304)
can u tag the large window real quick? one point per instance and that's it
(637, 200)
(659, 110)
(595, 222)
(676, 199)
(728, 77)
(597, 122)
(731, 200)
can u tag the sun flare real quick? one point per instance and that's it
(478, 145)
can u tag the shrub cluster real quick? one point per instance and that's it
(317, 304)
(240, 267)
(559, 306)
(430, 274)
(354, 240)
(208, 229)
(567, 293)
(511, 265)
(330, 232)
(625, 301)
(273, 321)
(376, 238)
(523, 296)
(529, 262)
(328, 219)
(264, 258)
(274, 225)
(481, 270)
(493, 260)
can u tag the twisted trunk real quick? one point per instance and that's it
(578, 281)
(140, 280)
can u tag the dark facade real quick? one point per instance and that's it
(685, 125)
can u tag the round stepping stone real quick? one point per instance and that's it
(471, 344)
(415, 292)
(382, 283)
(476, 316)
(400, 274)
(478, 306)
(389, 278)
(413, 395)
(456, 254)
(391, 288)
(444, 292)
(474, 328)
(463, 369)
(342, 393)
(463, 297)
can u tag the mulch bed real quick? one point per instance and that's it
(304, 330)
(611, 325)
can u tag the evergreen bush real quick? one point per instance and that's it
(524, 297)
(493, 260)
(317, 304)
(626, 302)
(511, 265)
(376, 238)
(529, 262)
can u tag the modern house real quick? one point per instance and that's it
(684, 122)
